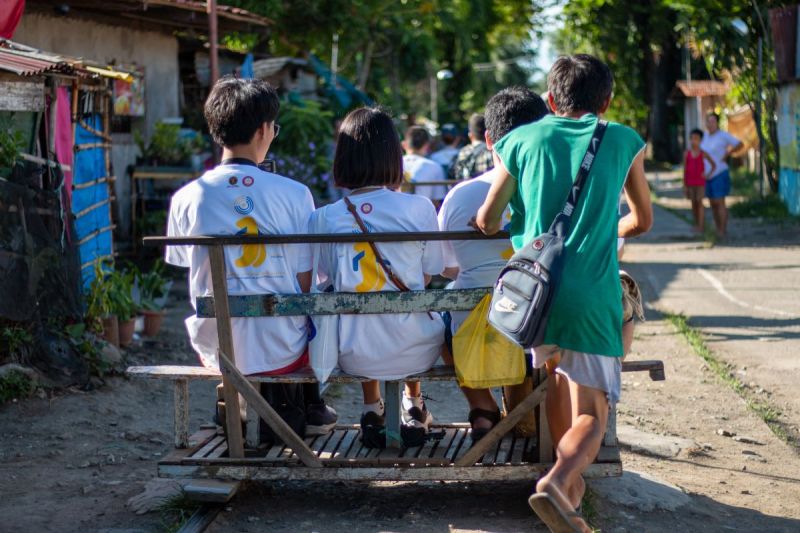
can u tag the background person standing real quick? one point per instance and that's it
(719, 145)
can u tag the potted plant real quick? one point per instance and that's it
(120, 287)
(150, 291)
(98, 308)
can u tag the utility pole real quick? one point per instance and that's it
(213, 37)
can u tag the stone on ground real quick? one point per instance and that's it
(650, 444)
(640, 491)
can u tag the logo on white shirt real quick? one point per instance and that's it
(243, 205)
(247, 181)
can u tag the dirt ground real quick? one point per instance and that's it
(70, 461)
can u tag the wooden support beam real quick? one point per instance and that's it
(181, 413)
(394, 400)
(504, 426)
(253, 397)
(219, 283)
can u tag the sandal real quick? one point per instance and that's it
(492, 416)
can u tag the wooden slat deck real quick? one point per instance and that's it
(344, 457)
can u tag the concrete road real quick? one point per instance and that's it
(743, 294)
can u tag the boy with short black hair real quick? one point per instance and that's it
(475, 158)
(535, 167)
(478, 263)
(237, 197)
(418, 168)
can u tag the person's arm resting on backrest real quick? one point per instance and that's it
(490, 215)
(637, 194)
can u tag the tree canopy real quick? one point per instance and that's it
(390, 49)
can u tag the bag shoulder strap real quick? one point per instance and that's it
(378, 257)
(560, 224)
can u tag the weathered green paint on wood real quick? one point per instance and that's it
(346, 303)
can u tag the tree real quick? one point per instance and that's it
(390, 48)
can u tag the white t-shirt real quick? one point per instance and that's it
(241, 199)
(418, 168)
(478, 262)
(445, 157)
(716, 144)
(390, 346)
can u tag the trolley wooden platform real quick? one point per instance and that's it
(339, 455)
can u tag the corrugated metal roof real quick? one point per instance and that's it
(702, 88)
(26, 61)
(267, 67)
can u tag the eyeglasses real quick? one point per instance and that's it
(277, 128)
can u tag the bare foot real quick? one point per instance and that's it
(549, 486)
(576, 492)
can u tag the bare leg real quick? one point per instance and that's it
(627, 337)
(699, 214)
(557, 404)
(372, 391)
(413, 389)
(477, 398)
(720, 213)
(578, 447)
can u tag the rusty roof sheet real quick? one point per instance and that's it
(702, 88)
(27, 61)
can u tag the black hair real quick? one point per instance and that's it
(696, 131)
(510, 108)
(713, 114)
(368, 150)
(477, 126)
(579, 82)
(236, 108)
(417, 137)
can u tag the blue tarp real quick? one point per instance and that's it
(338, 88)
(90, 204)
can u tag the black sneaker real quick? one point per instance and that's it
(320, 419)
(373, 430)
(414, 430)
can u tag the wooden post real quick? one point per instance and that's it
(216, 254)
(504, 426)
(610, 438)
(543, 434)
(394, 401)
(213, 54)
(252, 433)
(181, 413)
(253, 397)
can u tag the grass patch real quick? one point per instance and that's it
(589, 508)
(726, 372)
(770, 208)
(15, 385)
(176, 512)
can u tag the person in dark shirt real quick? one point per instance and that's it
(475, 158)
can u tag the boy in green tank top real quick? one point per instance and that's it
(535, 166)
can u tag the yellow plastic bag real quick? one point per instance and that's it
(483, 357)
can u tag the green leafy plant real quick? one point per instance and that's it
(120, 289)
(16, 341)
(15, 385)
(151, 288)
(11, 144)
(110, 293)
(166, 146)
(300, 151)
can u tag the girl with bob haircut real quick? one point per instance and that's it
(369, 163)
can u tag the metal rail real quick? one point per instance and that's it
(302, 238)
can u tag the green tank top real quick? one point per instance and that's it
(544, 157)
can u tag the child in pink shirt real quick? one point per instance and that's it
(695, 176)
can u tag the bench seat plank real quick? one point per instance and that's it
(306, 375)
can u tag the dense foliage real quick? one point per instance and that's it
(390, 48)
(652, 43)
